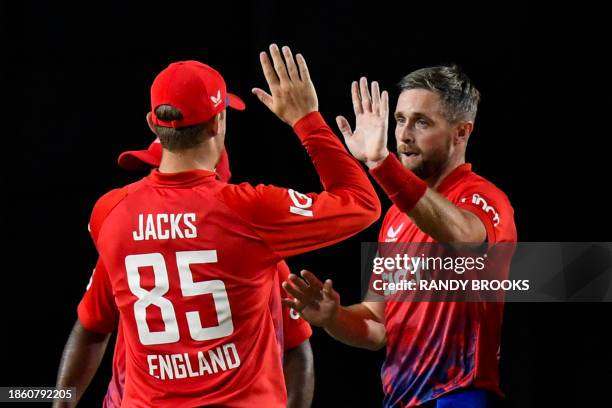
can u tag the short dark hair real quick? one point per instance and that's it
(459, 96)
(181, 138)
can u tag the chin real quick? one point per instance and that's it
(414, 166)
(410, 164)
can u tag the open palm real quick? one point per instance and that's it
(368, 143)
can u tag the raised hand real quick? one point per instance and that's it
(315, 301)
(368, 143)
(292, 94)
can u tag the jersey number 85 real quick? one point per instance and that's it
(155, 296)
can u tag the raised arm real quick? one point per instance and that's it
(291, 222)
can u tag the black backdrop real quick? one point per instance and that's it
(75, 82)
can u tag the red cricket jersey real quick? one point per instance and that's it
(291, 331)
(436, 347)
(188, 265)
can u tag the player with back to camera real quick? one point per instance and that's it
(187, 263)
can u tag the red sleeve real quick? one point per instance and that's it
(402, 186)
(291, 222)
(492, 207)
(97, 311)
(103, 207)
(295, 329)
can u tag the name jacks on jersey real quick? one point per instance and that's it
(177, 366)
(165, 226)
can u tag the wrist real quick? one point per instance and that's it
(375, 163)
(296, 120)
(331, 321)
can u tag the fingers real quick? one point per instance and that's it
(263, 96)
(375, 98)
(304, 73)
(328, 287)
(344, 126)
(312, 280)
(299, 283)
(366, 101)
(279, 64)
(292, 303)
(329, 292)
(295, 292)
(268, 70)
(357, 108)
(384, 104)
(291, 67)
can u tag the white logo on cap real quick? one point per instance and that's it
(216, 100)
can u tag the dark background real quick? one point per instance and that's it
(75, 86)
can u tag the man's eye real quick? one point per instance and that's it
(421, 123)
(400, 120)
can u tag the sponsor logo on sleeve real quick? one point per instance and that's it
(482, 203)
(301, 204)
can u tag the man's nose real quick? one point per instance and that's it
(404, 134)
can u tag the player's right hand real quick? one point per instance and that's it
(368, 143)
(292, 94)
(315, 301)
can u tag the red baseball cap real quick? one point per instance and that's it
(140, 159)
(194, 88)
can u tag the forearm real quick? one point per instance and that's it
(339, 172)
(444, 222)
(299, 375)
(357, 326)
(80, 360)
(431, 212)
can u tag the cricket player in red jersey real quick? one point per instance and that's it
(439, 354)
(292, 331)
(187, 263)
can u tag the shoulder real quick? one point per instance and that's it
(261, 196)
(489, 203)
(103, 207)
(475, 188)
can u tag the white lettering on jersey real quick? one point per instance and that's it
(176, 366)
(293, 314)
(189, 219)
(392, 233)
(165, 226)
(301, 203)
(489, 209)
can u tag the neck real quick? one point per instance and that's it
(434, 182)
(198, 158)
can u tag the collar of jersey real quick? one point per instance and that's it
(457, 174)
(183, 179)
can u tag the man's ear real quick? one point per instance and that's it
(215, 126)
(464, 130)
(150, 123)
